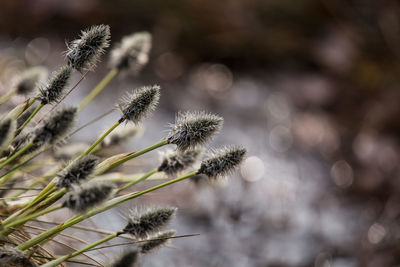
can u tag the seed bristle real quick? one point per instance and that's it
(222, 162)
(77, 171)
(55, 127)
(84, 53)
(193, 129)
(140, 103)
(55, 85)
(88, 195)
(174, 161)
(156, 241)
(143, 224)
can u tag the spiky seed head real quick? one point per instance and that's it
(77, 171)
(55, 127)
(12, 257)
(52, 90)
(130, 258)
(192, 129)
(121, 135)
(156, 241)
(140, 103)
(7, 131)
(29, 78)
(84, 53)
(132, 54)
(89, 195)
(174, 161)
(143, 224)
(222, 162)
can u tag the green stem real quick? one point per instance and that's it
(144, 177)
(37, 109)
(50, 188)
(13, 157)
(106, 80)
(59, 260)
(21, 164)
(52, 199)
(38, 181)
(33, 100)
(101, 138)
(29, 217)
(4, 98)
(141, 152)
(108, 205)
(52, 184)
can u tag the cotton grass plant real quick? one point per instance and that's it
(76, 184)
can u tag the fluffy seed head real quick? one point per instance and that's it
(132, 53)
(7, 131)
(29, 78)
(12, 257)
(121, 135)
(222, 162)
(85, 52)
(140, 103)
(88, 196)
(141, 225)
(77, 171)
(55, 127)
(156, 241)
(194, 128)
(128, 259)
(55, 85)
(175, 161)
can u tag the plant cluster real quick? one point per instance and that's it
(80, 184)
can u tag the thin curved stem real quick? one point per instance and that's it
(144, 177)
(101, 138)
(102, 84)
(13, 157)
(59, 260)
(37, 109)
(70, 90)
(29, 217)
(41, 238)
(141, 152)
(7, 96)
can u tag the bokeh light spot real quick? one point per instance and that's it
(376, 233)
(252, 169)
(342, 173)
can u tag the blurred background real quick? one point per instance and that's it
(310, 87)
